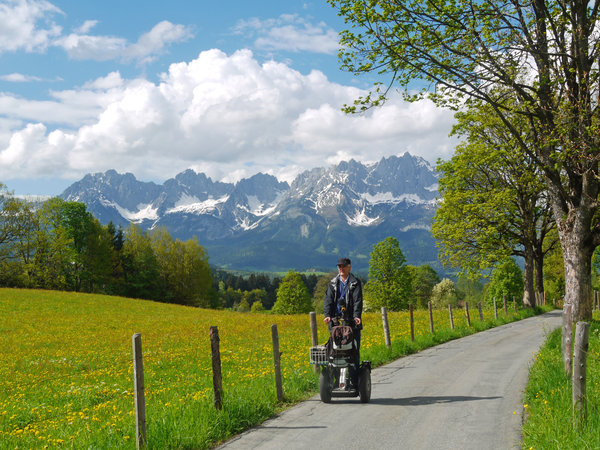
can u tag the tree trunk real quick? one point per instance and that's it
(539, 274)
(528, 272)
(577, 242)
(578, 279)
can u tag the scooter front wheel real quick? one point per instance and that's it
(364, 385)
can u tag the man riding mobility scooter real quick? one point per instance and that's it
(337, 360)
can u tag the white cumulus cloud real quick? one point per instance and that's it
(290, 32)
(229, 116)
(26, 25)
(19, 78)
(83, 46)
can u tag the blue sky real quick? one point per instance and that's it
(227, 88)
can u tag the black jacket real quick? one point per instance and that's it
(352, 301)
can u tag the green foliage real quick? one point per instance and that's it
(292, 296)
(469, 291)
(257, 307)
(390, 282)
(460, 53)
(140, 265)
(60, 245)
(424, 278)
(183, 268)
(554, 276)
(244, 306)
(493, 197)
(230, 286)
(444, 293)
(507, 280)
(320, 290)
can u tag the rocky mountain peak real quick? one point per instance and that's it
(260, 222)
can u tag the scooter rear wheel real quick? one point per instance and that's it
(325, 386)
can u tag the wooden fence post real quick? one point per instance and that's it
(386, 327)
(412, 322)
(504, 300)
(451, 316)
(430, 317)
(495, 309)
(566, 339)
(314, 333)
(277, 362)
(216, 368)
(579, 373)
(515, 303)
(467, 314)
(480, 311)
(138, 386)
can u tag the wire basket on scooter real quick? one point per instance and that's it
(318, 355)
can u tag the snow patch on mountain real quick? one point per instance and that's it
(144, 212)
(192, 205)
(247, 224)
(388, 197)
(360, 219)
(415, 226)
(258, 208)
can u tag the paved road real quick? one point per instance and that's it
(465, 394)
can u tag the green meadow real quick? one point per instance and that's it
(66, 372)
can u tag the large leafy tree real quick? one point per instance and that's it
(506, 282)
(140, 266)
(183, 268)
(11, 218)
(18, 226)
(390, 282)
(292, 296)
(444, 293)
(424, 278)
(493, 202)
(320, 290)
(534, 58)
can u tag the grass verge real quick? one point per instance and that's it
(548, 399)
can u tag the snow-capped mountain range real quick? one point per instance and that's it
(260, 223)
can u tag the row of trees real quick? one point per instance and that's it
(258, 291)
(394, 284)
(60, 245)
(525, 75)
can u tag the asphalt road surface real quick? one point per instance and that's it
(464, 394)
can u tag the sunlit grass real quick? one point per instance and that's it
(548, 398)
(66, 367)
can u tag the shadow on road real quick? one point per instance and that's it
(419, 401)
(289, 428)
